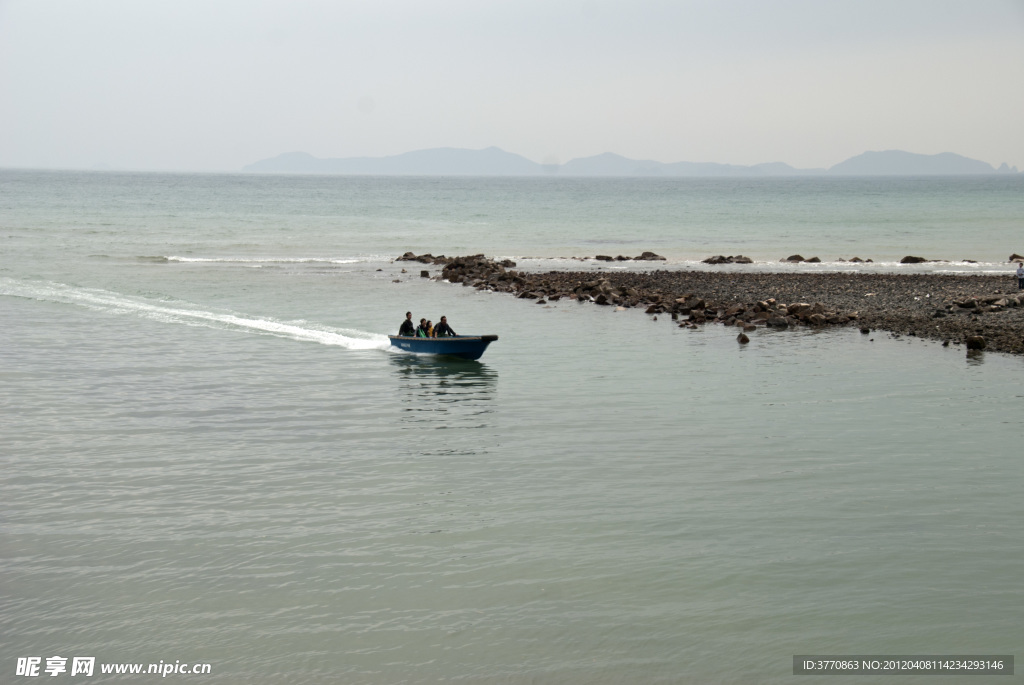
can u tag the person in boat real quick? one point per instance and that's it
(443, 330)
(430, 328)
(421, 331)
(407, 328)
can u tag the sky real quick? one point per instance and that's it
(213, 85)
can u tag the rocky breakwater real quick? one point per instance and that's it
(656, 293)
(971, 310)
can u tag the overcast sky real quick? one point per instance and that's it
(213, 85)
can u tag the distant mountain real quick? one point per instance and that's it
(610, 164)
(493, 161)
(899, 163)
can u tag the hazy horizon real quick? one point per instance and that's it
(199, 87)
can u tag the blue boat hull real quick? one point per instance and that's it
(462, 346)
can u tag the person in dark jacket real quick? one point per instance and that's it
(407, 327)
(421, 331)
(442, 329)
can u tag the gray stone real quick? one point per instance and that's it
(976, 342)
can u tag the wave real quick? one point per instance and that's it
(191, 315)
(266, 260)
(531, 263)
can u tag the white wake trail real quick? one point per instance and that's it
(104, 300)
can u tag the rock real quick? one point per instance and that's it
(857, 259)
(749, 327)
(812, 260)
(816, 320)
(976, 342)
(798, 308)
(604, 258)
(424, 274)
(649, 257)
(793, 258)
(426, 258)
(1015, 258)
(865, 330)
(732, 259)
(909, 259)
(778, 322)
(742, 339)
(542, 301)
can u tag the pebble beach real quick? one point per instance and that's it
(978, 311)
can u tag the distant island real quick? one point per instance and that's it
(494, 161)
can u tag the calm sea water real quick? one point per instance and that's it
(210, 455)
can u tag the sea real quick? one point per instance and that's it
(211, 455)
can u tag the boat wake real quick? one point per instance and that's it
(191, 315)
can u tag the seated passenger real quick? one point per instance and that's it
(421, 330)
(430, 329)
(443, 330)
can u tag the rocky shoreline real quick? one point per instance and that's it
(980, 312)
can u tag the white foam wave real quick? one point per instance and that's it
(104, 300)
(271, 260)
(534, 264)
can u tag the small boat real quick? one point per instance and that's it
(463, 346)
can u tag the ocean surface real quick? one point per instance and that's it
(210, 454)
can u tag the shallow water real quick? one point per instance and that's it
(222, 462)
